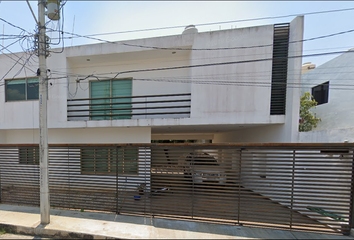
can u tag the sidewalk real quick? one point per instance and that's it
(90, 225)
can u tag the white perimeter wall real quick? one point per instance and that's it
(328, 136)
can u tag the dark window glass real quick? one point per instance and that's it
(22, 89)
(320, 93)
(32, 89)
(15, 90)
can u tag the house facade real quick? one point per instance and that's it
(225, 86)
(330, 85)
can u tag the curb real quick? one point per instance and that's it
(50, 233)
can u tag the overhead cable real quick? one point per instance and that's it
(230, 48)
(216, 23)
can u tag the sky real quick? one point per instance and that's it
(92, 17)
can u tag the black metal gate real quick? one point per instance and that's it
(288, 186)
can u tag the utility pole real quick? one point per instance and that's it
(43, 128)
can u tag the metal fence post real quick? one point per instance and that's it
(239, 188)
(0, 186)
(193, 176)
(117, 179)
(292, 191)
(351, 215)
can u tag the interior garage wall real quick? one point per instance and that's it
(2, 136)
(251, 135)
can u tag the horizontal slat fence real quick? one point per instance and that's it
(286, 186)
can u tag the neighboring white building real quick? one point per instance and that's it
(331, 85)
(233, 95)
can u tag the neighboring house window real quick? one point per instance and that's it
(22, 89)
(104, 161)
(320, 93)
(29, 155)
(119, 90)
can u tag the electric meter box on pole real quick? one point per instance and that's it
(53, 9)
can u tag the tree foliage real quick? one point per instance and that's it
(308, 120)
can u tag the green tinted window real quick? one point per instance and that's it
(32, 89)
(22, 89)
(117, 106)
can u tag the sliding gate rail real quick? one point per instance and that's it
(305, 187)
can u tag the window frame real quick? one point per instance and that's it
(26, 86)
(111, 161)
(323, 88)
(30, 157)
(110, 96)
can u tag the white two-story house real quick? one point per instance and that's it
(225, 86)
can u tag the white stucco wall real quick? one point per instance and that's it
(230, 91)
(225, 94)
(154, 82)
(338, 113)
(328, 136)
(24, 114)
(265, 134)
(291, 126)
(288, 131)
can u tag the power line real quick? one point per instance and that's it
(206, 65)
(230, 48)
(6, 47)
(246, 83)
(234, 77)
(16, 61)
(228, 63)
(244, 75)
(225, 56)
(214, 81)
(24, 65)
(207, 49)
(11, 68)
(13, 25)
(213, 23)
(211, 64)
(236, 83)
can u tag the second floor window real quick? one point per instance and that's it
(22, 89)
(111, 99)
(320, 93)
